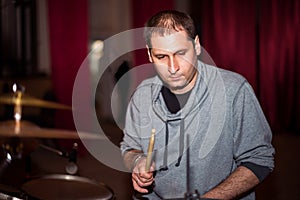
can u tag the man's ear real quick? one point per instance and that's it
(197, 45)
(149, 53)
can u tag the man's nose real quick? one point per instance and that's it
(173, 66)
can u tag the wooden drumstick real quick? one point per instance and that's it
(150, 150)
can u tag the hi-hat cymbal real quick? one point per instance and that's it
(29, 130)
(27, 100)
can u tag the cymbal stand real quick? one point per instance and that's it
(71, 167)
(18, 92)
(13, 148)
(189, 195)
(15, 164)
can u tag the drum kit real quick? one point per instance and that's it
(18, 139)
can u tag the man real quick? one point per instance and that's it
(211, 112)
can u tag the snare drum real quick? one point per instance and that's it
(62, 187)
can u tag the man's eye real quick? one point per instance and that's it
(160, 57)
(181, 53)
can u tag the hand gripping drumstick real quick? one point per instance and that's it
(150, 150)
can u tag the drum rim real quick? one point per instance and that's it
(65, 177)
(68, 177)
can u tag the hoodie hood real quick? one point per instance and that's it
(148, 111)
(175, 123)
(199, 93)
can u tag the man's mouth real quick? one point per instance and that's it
(174, 78)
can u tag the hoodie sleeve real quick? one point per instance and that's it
(252, 134)
(131, 139)
(138, 120)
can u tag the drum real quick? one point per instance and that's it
(62, 187)
(10, 192)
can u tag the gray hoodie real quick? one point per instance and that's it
(223, 120)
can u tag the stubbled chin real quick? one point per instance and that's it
(177, 85)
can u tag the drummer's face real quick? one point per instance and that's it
(175, 59)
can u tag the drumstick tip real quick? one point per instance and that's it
(153, 130)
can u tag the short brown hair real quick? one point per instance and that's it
(164, 22)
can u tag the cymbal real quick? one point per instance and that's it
(27, 100)
(30, 130)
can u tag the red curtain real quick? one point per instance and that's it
(279, 61)
(68, 33)
(260, 40)
(228, 34)
(141, 12)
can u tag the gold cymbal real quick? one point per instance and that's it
(27, 100)
(29, 130)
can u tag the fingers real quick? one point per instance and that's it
(142, 180)
(138, 188)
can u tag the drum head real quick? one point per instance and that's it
(62, 186)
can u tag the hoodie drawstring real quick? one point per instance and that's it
(181, 142)
(164, 167)
(181, 146)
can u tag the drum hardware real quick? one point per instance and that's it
(14, 168)
(18, 92)
(189, 195)
(18, 138)
(62, 187)
(71, 167)
(11, 193)
(24, 129)
(5, 163)
(8, 197)
(15, 151)
(66, 186)
(16, 148)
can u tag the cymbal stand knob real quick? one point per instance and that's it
(71, 167)
(192, 196)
